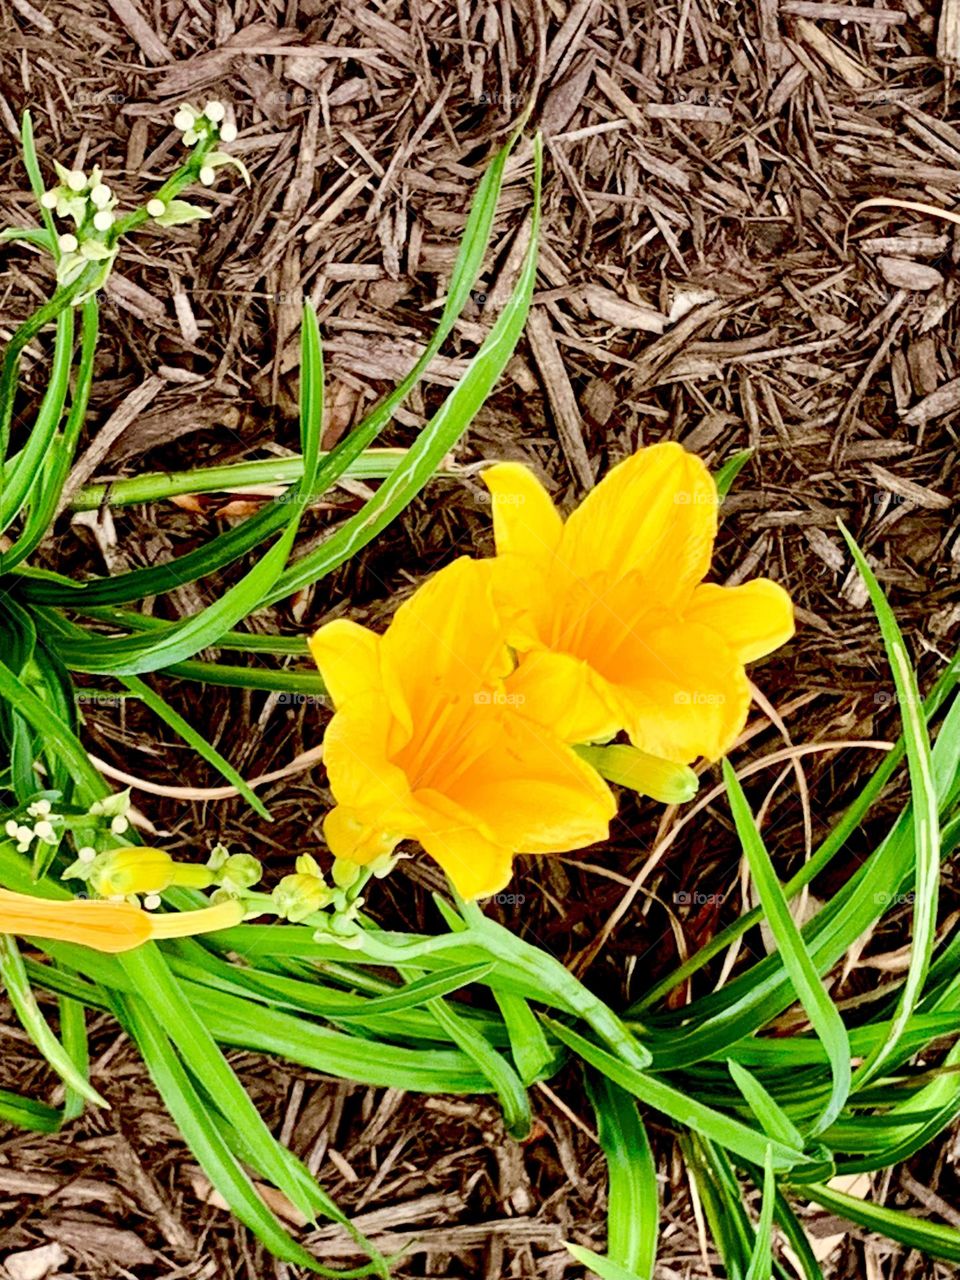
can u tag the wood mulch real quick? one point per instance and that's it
(707, 275)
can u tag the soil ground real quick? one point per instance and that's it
(706, 276)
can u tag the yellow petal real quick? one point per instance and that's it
(531, 791)
(446, 642)
(103, 926)
(654, 514)
(359, 836)
(753, 619)
(356, 749)
(348, 657)
(564, 694)
(476, 863)
(525, 521)
(682, 693)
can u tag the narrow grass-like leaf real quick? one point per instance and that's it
(44, 501)
(529, 1047)
(503, 1079)
(150, 975)
(681, 1107)
(438, 437)
(819, 1008)
(132, 655)
(761, 1260)
(932, 1238)
(728, 473)
(925, 817)
(204, 1139)
(28, 1113)
(25, 1005)
(835, 841)
(773, 1120)
(73, 1034)
(633, 1204)
(21, 473)
(605, 1268)
(234, 543)
(161, 708)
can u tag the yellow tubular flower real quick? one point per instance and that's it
(107, 926)
(609, 614)
(427, 745)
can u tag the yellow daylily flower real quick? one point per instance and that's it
(608, 612)
(426, 743)
(107, 926)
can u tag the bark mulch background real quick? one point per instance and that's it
(705, 276)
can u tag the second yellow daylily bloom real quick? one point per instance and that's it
(107, 926)
(608, 611)
(427, 744)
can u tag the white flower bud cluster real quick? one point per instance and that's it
(42, 828)
(196, 125)
(116, 808)
(87, 200)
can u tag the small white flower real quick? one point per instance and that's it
(87, 854)
(100, 195)
(119, 824)
(25, 835)
(228, 131)
(207, 176)
(215, 111)
(44, 831)
(76, 180)
(151, 901)
(184, 119)
(39, 809)
(190, 137)
(103, 220)
(155, 208)
(50, 199)
(12, 827)
(68, 243)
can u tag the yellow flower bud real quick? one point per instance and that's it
(124, 871)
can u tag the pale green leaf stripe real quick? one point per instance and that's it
(819, 1008)
(35, 1024)
(727, 1132)
(633, 1206)
(926, 821)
